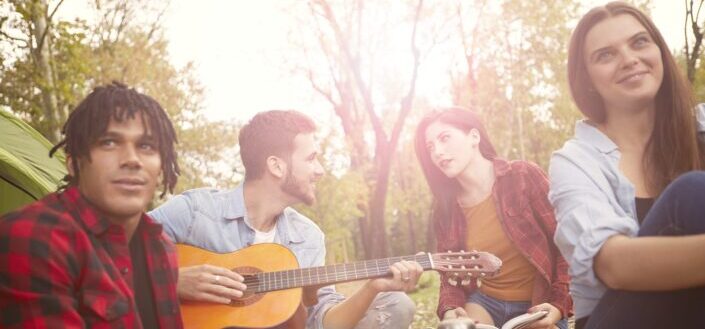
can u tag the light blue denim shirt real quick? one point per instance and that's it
(593, 201)
(216, 220)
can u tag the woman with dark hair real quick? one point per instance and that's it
(628, 189)
(482, 202)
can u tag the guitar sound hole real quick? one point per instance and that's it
(250, 297)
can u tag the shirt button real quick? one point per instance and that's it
(125, 270)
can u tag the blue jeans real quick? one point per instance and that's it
(503, 311)
(680, 210)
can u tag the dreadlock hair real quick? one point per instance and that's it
(90, 120)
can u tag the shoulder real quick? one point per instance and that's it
(37, 219)
(45, 233)
(303, 224)
(523, 167)
(205, 200)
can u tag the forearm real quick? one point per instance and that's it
(349, 312)
(652, 263)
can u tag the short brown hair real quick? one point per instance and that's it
(270, 133)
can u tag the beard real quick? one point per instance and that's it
(295, 188)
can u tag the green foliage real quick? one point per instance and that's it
(84, 56)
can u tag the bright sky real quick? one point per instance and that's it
(239, 48)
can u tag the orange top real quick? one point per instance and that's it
(515, 281)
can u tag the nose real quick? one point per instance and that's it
(130, 158)
(318, 169)
(436, 152)
(630, 58)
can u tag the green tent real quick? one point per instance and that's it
(27, 173)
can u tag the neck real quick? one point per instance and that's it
(263, 203)
(476, 181)
(629, 127)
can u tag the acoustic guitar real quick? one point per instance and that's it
(275, 283)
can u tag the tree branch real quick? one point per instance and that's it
(46, 29)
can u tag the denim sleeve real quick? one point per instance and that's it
(176, 216)
(585, 217)
(327, 296)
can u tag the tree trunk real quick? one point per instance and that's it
(41, 54)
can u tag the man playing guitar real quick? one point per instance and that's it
(281, 169)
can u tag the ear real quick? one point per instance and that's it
(69, 165)
(474, 135)
(276, 166)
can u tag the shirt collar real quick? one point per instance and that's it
(700, 117)
(94, 221)
(586, 132)
(234, 209)
(500, 166)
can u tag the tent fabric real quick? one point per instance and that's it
(27, 173)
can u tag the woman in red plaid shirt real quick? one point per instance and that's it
(482, 202)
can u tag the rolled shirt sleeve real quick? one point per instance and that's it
(587, 215)
(327, 296)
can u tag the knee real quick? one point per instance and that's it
(688, 188)
(395, 310)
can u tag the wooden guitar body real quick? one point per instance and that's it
(276, 286)
(263, 310)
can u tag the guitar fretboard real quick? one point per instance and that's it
(324, 275)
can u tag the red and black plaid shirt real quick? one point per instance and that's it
(63, 265)
(521, 197)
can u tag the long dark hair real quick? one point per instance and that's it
(444, 189)
(116, 101)
(673, 147)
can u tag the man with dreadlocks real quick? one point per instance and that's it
(88, 255)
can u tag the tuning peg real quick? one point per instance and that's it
(462, 250)
(465, 281)
(483, 274)
(452, 282)
(478, 283)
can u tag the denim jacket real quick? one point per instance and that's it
(216, 220)
(593, 201)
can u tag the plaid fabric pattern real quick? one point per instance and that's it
(521, 195)
(63, 265)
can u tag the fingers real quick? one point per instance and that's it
(408, 272)
(210, 283)
(461, 313)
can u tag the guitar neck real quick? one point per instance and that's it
(331, 274)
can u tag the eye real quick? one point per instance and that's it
(444, 137)
(147, 146)
(429, 147)
(604, 56)
(106, 142)
(641, 42)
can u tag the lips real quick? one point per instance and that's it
(129, 183)
(632, 77)
(444, 163)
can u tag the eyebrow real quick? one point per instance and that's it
(635, 36)
(428, 143)
(117, 135)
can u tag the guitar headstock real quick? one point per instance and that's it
(464, 266)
